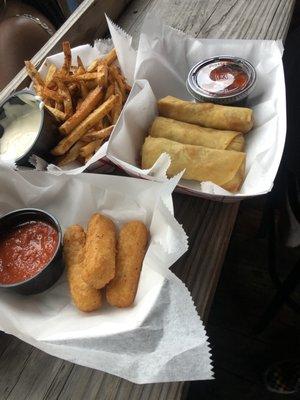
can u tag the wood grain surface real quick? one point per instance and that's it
(27, 373)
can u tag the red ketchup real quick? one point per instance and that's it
(25, 250)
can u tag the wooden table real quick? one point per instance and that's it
(27, 373)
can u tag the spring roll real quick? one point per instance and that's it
(85, 297)
(132, 243)
(225, 168)
(185, 133)
(100, 252)
(239, 119)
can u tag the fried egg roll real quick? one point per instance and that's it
(239, 119)
(100, 251)
(132, 243)
(85, 297)
(225, 168)
(185, 133)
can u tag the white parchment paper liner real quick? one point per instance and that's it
(164, 58)
(161, 338)
(87, 53)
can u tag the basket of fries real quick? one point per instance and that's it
(86, 92)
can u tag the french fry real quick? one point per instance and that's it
(65, 144)
(50, 74)
(118, 77)
(72, 154)
(33, 73)
(68, 57)
(67, 100)
(110, 91)
(110, 57)
(59, 106)
(87, 76)
(79, 102)
(87, 99)
(87, 106)
(51, 94)
(103, 69)
(93, 66)
(80, 63)
(79, 71)
(83, 89)
(97, 135)
(127, 87)
(90, 148)
(116, 111)
(59, 115)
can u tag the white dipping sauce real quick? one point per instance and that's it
(21, 127)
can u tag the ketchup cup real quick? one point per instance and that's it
(50, 258)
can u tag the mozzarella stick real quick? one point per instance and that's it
(132, 244)
(85, 297)
(100, 251)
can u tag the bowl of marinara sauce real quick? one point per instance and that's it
(31, 258)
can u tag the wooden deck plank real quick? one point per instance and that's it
(208, 224)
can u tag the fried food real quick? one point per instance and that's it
(86, 108)
(100, 252)
(85, 98)
(65, 144)
(185, 133)
(85, 297)
(225, 168)
(210, 115)
(131, 249)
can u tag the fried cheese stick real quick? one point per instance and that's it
(131, 249)
(85, 297)
(100, 251)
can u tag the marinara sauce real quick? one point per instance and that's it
(25, 250)
(222, 78)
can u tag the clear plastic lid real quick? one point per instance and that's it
(222, 79)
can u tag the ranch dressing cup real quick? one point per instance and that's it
(26, 128)
(222, 80)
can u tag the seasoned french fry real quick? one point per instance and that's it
(87, 106)
(100, 126)
(79, 71)
(93, 66)
(67, 100)
(87, 76)
(110, 57)
(90, 148)
(92, 84)
(84, 91)
(72, 154)
(103, 69)
(96, 135)
(127, 87)
(65, 144)
(59, 115)
(68, 57)
(50, 74)
(110, 91)
(51, 94)
(116, 111)
(80, 63)
(59, 106)
(33, 73)
(114, 72)
(79, 102)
